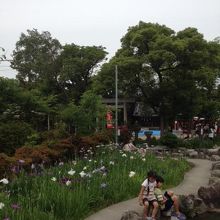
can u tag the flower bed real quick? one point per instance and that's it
(76, 189)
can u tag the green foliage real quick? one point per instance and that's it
(53, 135)
(154, 141)
(33, 139)
(13, 135)
(174, 73)
(200, 143)
(35, 59)
(78, 65)
(41, 198)
(169, 140)
(88, 116)
(172, 141)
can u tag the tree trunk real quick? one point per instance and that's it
(48, 122)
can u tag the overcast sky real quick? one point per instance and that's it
(100, 22)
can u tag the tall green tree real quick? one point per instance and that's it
(161, 68)
(35, 59)
(88, 116)
(78, 65)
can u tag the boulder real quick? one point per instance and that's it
(201, 155)
(207, 157)
(131, 215)
(177, 155)
(215, 158)
(191, 205)
(215, 173)
(214, 151)
(193, 154)
(210, 195)
(213, 180)
(216, 166)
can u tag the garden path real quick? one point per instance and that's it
(196, 177)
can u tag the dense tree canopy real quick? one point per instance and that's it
(173, 74)
(35, 59)
(78, 65)
(169, 71)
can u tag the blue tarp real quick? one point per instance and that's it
(155, 133)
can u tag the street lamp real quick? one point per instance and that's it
(116, 105)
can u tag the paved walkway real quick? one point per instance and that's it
(196, 177)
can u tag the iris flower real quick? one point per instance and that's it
(4, 181)
(131, 174)
(71, 172)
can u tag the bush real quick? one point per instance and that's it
(169, 140)
(104, 137)
(200, 143)
(125, 136)
(33, 139)
(36, 154)
(13, 135)
(5, 164)
(53, 135)
(154, 141)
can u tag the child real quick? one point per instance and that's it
(146, 195)
(167, 200)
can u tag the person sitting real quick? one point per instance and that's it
(146, 195)
(130, 147)
(167, 200)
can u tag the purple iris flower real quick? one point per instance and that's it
(15, 206)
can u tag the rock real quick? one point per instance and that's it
(215, 158)
(213, 180)
(215, 173)
(188, 151)
(215, 151)
(210, 195)
(177, 155)
(193, 154)
(131, 215)
(192, 205)
(216, 166)
(207, 157)
(201, 155)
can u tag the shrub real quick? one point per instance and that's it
(33, 139)
(104, 137)
(5, 164)
(169, 140)
(59, 132)
(13, 135)
(36, 154)
(154, 141)
(200, 143)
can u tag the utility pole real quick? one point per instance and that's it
(116, 106)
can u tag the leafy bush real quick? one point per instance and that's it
(54, 135)
(36, 154)
(169, 140)
(154, 141)
(33, 139)
(5, 163)
(200, 143)
(13, 135)
(104, 137)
